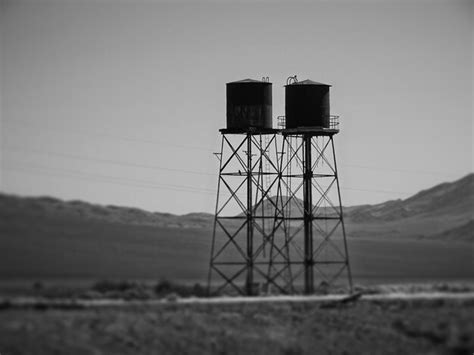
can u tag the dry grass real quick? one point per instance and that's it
(388, 327)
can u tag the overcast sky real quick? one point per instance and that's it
(120, 102)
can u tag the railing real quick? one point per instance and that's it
(281, 122)
(333, 122)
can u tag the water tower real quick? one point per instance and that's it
(248, 178)
(310, 198)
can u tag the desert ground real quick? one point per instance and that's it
(438, 326)
(53, 250)
(425, 238)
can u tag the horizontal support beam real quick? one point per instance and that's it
(311, 218)
(244, 173)
(274, 262)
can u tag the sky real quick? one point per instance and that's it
(120, 102)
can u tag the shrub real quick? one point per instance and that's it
(165, 287)
(107, 286)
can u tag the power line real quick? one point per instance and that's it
(107, 161)
(122, 163)
(88, 133)
(105, 179)
(401, 170)
(143, 183)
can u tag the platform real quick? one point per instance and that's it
(249, 130)
(313, 131)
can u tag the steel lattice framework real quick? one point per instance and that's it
(247, 215)
(314, 226)
(276, 225)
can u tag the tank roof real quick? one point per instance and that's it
(247, 81)
(308, 82)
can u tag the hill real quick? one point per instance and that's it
(78, 210)
(455, 198)
(49, 238)
(441, 211)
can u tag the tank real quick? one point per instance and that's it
(307, 104)
(249, 104)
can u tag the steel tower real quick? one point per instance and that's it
(279, 220)
(311, 199)
(246, 205)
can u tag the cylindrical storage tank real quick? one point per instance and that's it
(249, 104)
(307, 104)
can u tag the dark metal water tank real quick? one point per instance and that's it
(249, 104)
(307, 104)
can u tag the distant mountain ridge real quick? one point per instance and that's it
(48, 206)
(446, 198)
(445, 211)
(429, 235)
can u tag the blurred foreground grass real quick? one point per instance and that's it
(136, 290)
(363, 327)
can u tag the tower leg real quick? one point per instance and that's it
(308, 215)
(249, 281)
(315, 227)
(209, 275)
(346, 251)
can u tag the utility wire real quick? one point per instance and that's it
(401, 170)
(89, 133)
(104, 178)
(107, 161)
(391, 192)
(142, 183)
